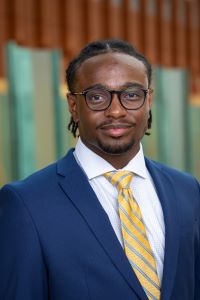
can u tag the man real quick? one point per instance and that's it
(103, 222)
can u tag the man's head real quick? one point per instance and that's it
(122, 117)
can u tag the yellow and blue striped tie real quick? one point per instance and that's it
(136, 244)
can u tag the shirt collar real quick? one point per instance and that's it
(87, 159)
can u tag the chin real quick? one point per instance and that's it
(116, 148)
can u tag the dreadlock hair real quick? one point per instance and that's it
(101, 47)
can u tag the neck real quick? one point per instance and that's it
(118, 161)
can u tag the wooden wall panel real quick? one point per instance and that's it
(194, 35)
(96, 19)
(134, 23)
(166, 32)
(151, 45)
(50, 34)
(194, 45)
(3, 34)
(22, 15)
(30, 22)
(180, 41)
(19, 12)
(115, 18)
(3, 21)
(74, 26)
(10, 17)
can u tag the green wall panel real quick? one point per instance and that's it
(172, 96)
(5, 139)
(21, 97)
(194, 139)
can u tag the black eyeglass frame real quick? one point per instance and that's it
(111, 92)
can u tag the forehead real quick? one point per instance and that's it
(111, 70)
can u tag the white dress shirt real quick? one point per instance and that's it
(143, 189)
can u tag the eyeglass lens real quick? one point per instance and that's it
(100, 99)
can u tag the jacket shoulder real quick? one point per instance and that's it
(45, 178)
(171, 173)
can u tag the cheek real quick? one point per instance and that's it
(141, 115)
(86, 122)
(142, 120)
(146, 117)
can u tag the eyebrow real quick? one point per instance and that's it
(124, 86)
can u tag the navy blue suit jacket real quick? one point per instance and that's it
(56, 241)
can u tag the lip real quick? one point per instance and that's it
(116, 130)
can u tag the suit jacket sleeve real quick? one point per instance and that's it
(22, 268)
(197, 264)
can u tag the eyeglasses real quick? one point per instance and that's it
(98, 99)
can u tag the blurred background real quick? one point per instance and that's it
(39, 37)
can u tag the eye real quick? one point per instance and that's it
(132, 94)
(96, 95)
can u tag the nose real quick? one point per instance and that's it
(115, 110)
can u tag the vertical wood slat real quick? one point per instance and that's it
(194, 45)
(3, 34)
(180, 41)
(151, 45)
(19, 11)
(194, 36)
(96, 19)
(134, 23)
(74, 26)
(3, 20)
(70, 24)
(25, 19)
(30, 22)
(166, 32)
(6, 29)
(50, 33)
(116, 19)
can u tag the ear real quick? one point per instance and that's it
(72, 107)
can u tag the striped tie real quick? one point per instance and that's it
(136, 244)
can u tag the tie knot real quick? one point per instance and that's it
(119, 179)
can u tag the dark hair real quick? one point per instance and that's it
(100, 47)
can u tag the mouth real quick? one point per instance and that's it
(116, 130)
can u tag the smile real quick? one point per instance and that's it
(116, 130)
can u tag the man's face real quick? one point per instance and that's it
(115, 131)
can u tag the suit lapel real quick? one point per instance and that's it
(169, 201)
(75, 185)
